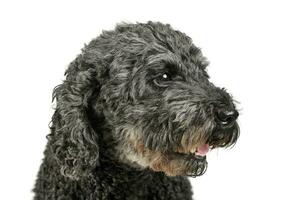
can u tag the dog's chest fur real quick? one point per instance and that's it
(112, 181)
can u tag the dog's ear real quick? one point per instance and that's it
(73, 141)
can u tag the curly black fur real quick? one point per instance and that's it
(135, 104)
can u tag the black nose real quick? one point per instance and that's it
(225, 117)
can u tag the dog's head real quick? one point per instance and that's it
(141, 93)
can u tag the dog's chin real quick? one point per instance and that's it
(179, 164)
(193, 165)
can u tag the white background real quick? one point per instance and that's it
(254, 48)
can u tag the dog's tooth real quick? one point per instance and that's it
(192, 150)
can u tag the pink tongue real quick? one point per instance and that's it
(202, 150)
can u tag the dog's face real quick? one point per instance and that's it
(165, 112)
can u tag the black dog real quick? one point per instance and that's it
(135, 116)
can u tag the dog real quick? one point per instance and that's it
(135, 116)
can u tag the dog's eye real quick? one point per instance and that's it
(166, 77)
(162, 79)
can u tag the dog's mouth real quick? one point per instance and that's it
(198, 152)
(192, 163)
(189, 156)
(173, 163)
(194, 156)
(201, 150)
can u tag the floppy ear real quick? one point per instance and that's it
(73, 141)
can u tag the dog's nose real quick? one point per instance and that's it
(226, 118)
